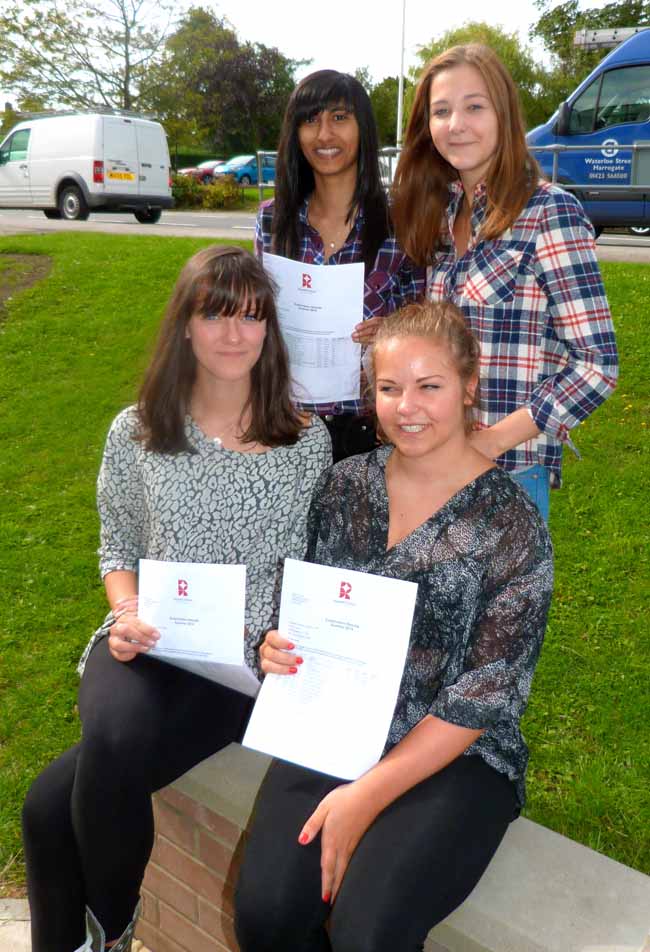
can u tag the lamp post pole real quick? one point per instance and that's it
(400, 85)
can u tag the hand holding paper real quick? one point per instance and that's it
(199, 611)
(352, 630)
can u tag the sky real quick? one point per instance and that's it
(347, 34)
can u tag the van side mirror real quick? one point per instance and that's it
(4, 158)
(563, 118)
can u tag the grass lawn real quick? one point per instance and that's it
(72, 347)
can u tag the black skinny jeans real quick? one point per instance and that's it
(87, 819)
(417, 862)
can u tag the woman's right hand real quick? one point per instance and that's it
(130, 636)
(276, 655)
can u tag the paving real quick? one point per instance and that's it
(14, 928)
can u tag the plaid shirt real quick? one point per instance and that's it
(535, 300)
(393, 282)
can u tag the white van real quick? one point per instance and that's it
(71, 164)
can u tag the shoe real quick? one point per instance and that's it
(96, 937)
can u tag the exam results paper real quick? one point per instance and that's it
(199, 611)
(352, 630)
(318, 309)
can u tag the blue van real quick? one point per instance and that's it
(608, 111)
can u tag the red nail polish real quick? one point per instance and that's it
(298, 660)
(327, 897)
(293, 669)
(303, 839)
(290, 646)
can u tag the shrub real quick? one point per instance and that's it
(187, 192)
(223, 193)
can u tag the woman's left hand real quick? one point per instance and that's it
(364, 333)
(342, 817)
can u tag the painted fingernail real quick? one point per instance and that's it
(327, 897)
(290, 646)
(293, 669)
(303, 839)
(298, 660)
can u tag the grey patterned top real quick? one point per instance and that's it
(484, 568)
(214, 505)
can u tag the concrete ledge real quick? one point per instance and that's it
(541, 893)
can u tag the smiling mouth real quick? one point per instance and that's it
(328, 153)
(412, 427)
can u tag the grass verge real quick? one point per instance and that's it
(72, 348)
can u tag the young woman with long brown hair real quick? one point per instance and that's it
(331, 208)
(214, 464)
(372, 865)
(516, 254)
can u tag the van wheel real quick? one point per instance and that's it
(51, 212)
(72, 204)
(245, 180)
(148, 216)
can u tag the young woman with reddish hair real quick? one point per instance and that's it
(514, 253)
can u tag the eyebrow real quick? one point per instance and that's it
(418, 380)
(435, 102)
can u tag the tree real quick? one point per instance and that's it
(211, 87)
(558, 25)
(362, 74)
(384, 103)
(527, 74)
(80, 54)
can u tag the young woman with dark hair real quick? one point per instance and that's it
(516, 254)
(330, 208)
(214, 465)
(372, 865)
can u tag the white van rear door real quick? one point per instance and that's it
(154, 158)
(120, 156)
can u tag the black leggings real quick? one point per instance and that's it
(87, 819)
(418, 861)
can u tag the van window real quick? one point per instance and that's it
(583, 110)
(15, 150)
(624, 97)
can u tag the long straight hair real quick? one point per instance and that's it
(217, 280)
(294, 178)
(421, 188)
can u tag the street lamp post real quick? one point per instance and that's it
(400, 85)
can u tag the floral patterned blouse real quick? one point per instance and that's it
(484, 568)
(213, 505)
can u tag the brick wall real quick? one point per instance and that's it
(188, 886)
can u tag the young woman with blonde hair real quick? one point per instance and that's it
(372, 865)
(514, 253)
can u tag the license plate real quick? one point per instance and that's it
(122, 176)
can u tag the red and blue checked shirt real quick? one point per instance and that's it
(393, 281)
(535, 300)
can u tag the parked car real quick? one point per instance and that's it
(243, 168)
(73, 163)
(204, 172)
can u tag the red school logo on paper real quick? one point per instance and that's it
(344, 590)
(306, 281)
(183, 587)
